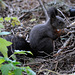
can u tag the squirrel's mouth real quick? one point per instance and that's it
(58, 29)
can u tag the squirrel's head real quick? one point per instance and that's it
(55, 20)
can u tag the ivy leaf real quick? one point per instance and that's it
(3, 46)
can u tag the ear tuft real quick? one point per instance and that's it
(52, 12)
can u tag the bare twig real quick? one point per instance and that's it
(72, 24)
(49, 71)
(46, 14)
(64, 45)
(26, 37)
(63, 16)
(70, 32)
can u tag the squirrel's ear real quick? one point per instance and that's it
(52, 12)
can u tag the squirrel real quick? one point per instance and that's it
(43, 35)
(18, 43)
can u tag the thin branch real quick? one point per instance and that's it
(64, 45)
(63, 16)
(49, 71)
(45, 11)
(72, 24)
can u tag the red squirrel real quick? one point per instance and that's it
(42, 35)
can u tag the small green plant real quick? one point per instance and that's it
(8, 66)
(12, 20)
(12, 67)
(3, 46)
(2, 26)
(3, 42)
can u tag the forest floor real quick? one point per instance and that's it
(29, 13)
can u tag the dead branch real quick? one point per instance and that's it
(64, 45)
(49, 71)
(46, 14)
(25, 15)
(72, 24)
(63, 16)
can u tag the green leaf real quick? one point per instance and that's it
(13, 23)
(3, 50)
(32, 20)
(1, 19)
(11, 73)
(28, 70)
(4, 42)
(22, 52)
(29, 52)
(13, 56)
(7, 18)
(17, 22)
(2, 60)
(16, 63)
(3, 46)
(31, 72)
(1, 26)
(8, 60)
(6, 68)
(14, 18)
(18, 71)
(19, 52)
(5, 33)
